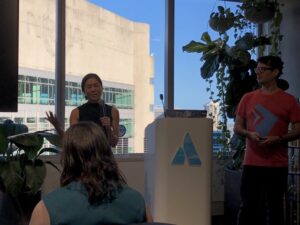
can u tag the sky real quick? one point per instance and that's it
(191, 20)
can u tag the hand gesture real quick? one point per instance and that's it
(54, 121)
(270, 140)
(254, 136)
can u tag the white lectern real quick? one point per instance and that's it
(178, 161)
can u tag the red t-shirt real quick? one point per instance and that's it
(269, 115)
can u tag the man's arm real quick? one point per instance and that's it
(292, 135)
(284, 139)
(240, 126)
(240, 129)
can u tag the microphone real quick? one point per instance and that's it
(106, 127)
(161, 96)
(102, 103)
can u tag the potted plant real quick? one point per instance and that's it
(21, 171)
(260, 11)
(222, 20)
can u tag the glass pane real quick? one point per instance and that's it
(36, 63)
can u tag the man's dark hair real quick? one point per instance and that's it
(88, 76)
(274, 62)
(87, 157)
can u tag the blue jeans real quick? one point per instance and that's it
(262, 191)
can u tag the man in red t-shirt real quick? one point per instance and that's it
(263, 117)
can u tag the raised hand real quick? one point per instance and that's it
(55, 123)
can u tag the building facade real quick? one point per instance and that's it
(213, 112)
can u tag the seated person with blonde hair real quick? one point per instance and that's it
(92, 191)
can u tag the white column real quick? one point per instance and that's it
(291, 45)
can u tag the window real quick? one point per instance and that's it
(98, 40)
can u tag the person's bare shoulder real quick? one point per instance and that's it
(114, 109)
(74, 117)
(115, 113)
(40, 215)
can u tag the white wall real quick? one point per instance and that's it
(291, 45)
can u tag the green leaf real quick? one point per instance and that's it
(8, 128)
(54, 139)
(206, 38)
(52, 164)
(11, 176)
(210, 66)
(246, 42)
(29, 142)
(11, 128)
(35, 175)
(194, 46)
(242, 56)
(49, 150)
(221, 9)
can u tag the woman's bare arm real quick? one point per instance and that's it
(40, 215)
(149, 217)
(112, 126)
(115, 126)
(54, 121)
(74, 117)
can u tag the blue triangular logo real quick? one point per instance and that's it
(179, 157)
(189, 151)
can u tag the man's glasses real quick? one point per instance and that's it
(262, 69)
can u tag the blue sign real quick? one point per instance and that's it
(187, 150)
(122, 130)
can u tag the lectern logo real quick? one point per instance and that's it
(186, 151)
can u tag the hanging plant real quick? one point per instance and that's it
(259, 15)
(215, 54)
(276, 36)
(262, 11)
(259, 11)
(222, 20)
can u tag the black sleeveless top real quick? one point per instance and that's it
(93, 112)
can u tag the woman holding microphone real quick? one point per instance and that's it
(95, 110)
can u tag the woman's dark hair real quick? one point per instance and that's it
(87, 157)
(88, 76)
(274, 62)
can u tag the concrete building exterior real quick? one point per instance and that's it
(213, 112)
(97, 41)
